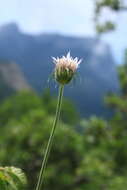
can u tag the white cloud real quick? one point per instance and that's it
(66, 16)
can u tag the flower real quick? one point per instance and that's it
(65, 68)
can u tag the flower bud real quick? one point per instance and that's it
(65, 68)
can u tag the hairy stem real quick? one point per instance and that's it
(50, 141)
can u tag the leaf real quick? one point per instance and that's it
(12, 178)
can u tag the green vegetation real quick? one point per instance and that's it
(26, 124)
(12, 178)
(94, 158)
(113, 5)
(87, 154)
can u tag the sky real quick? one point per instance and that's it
(68, 17)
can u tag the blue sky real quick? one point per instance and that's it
(69, 17)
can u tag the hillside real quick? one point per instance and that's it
(11, 79)
(33, 55)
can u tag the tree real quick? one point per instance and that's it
(105, 160)
(26, 125)
(113, 5)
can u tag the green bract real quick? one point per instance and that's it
(63, 76)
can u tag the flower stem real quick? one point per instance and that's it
(50, 141)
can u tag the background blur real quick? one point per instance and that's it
(90, 144)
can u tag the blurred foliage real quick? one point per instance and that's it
(105, 160)
(108, 26)
(26, 121)
(12, 178)
(68, 108)
(24, 102)
(94, 159)
(114, 5)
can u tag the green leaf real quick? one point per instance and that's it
(12, 178)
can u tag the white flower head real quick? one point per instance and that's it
(67, 62)
(66, 67)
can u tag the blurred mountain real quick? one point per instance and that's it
(11, 79)
(98, 74)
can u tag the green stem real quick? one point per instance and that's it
(50, 141)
